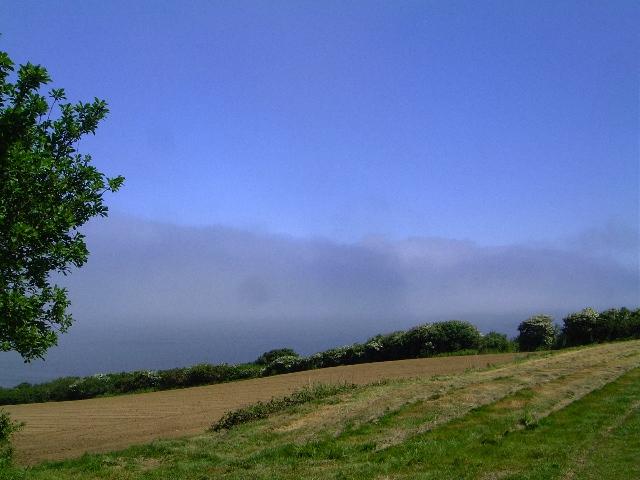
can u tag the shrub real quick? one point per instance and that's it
(580, 328)
(394, 345)
(633, 323)
(352, 354)
(495, 342)
(310, 362)
(268, 357)
(617, 324)
(536, 333)
(332, 357)
(204, 374)
(77, 388)
(135, 381)
(57, 390)
(286, 365)
(379, 348)
(453, 336)
(172, 378)
(417, 342)
(612, 324)
(89, 387)
(264, 409)
(7, 428)
(373, 350)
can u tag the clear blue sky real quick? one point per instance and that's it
(496, 121)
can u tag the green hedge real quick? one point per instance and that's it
(422, 341)
(580, 328)
(427, 340)
(78, 388)
(589, 326)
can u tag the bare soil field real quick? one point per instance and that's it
(60, 430)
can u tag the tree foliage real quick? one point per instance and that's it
(589, 326)
(618, 323)
(271, 355)
(47, 191)
(7, 428)
(536, 333)
(454, 335)
(496, 342)
(580, 328)
(450, 338)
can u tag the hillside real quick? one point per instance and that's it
(537, 417)
(66, 429)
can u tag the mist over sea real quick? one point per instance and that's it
(90, 348)
(155, 296)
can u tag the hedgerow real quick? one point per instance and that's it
(79, 388)
(427, 340)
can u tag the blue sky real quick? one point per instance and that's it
(492, 121)
(309, 174)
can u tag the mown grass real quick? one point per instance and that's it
(263, 409)
(498, 442)
(516, 437)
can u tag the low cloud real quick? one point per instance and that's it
(142, 271)
(155, 295)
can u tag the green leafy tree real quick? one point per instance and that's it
(454, 335)
(495, 342)
(615, 324)
(47, 191)
(271, 355)
(612, 324)
(536, 333)
(581, 328)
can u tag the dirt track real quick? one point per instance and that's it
(60, 430)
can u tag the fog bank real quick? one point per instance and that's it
(155, 295)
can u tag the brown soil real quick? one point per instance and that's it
(60, 430)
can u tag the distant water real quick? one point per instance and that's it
(95, 348)
(88, 352)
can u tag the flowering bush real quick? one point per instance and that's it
(536, 333)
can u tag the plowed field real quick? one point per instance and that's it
(60, 430)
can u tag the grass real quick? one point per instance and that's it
(260, 410)
(575, 416)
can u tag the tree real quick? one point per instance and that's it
(580, 328)
(47, 191)
(612, 324)
(454, 335)
(271, 355)
(536, 333)
(495, 342)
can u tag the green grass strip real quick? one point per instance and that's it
(601, 430)
(264, 409)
